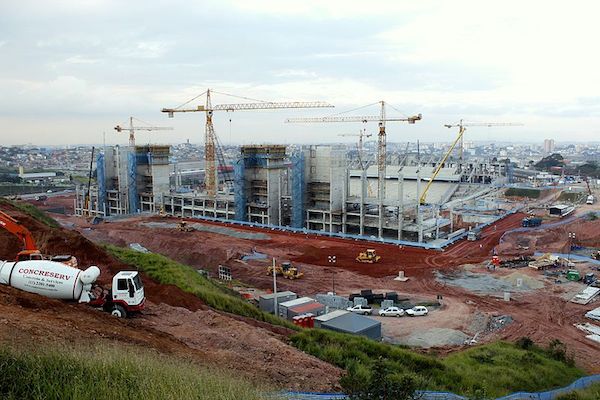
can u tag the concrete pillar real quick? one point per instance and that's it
(437, 223)
(400, 204)
(363, 195)
(344, 200)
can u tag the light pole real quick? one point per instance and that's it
(571, 239)
(332, 260)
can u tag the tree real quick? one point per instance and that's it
(379, 384)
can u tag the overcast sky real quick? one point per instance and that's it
(71, 70)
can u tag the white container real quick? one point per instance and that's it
(47, 278)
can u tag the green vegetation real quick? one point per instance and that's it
(553, 160)
(489, 370)
(484, 371)
(573, 197)
(215, 295)
(523, 192)
(591, 393)
(32, 211)
(115, 372)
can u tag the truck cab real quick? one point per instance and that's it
(127, 294)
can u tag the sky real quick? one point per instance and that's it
(71, 70)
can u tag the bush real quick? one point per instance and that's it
(33, 212)
(524, 343)
(523, 192)
(378, 383)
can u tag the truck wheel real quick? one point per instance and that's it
(118, 311)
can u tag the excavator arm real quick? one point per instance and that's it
(11, 225)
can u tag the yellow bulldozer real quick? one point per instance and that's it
(290, 272)
(287, 270)
(278, 270)
(184, 227)
(369, 256)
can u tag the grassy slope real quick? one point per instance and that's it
(167, 271)
(523, 192)
(32, 211)
(498, 368)
(591, 393)
(116, 372)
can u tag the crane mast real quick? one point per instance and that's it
(381, 143)
(210, 138)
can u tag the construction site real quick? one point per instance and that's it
(322, 237)
(335, 190)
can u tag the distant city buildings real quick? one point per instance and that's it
(548, 146)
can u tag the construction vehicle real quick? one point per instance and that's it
(590, 198)
(59, 281)
(184, 227)
(162, 213)
(30, 251)
(573, 275)
(596, 255)
(370, 256)
(531, 221)
(474, 234)
(290, 272)
(278, 270)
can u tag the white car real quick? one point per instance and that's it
(364, 310)
(417, 311)
(391, 312)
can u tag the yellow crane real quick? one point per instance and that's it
(461, 131)
(381, 141)
(210, 138)
(132, 129)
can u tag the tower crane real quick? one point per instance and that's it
(211, 142)
(131, 129)
(361, 134)
(461, 131)
(381, 142)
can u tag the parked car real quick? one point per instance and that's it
(364, 310)
(391, 312)
(417, 311)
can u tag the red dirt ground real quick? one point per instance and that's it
(541, 315)
(174, 322)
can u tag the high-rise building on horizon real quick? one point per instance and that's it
(548, 146)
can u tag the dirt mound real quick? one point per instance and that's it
(174, 322)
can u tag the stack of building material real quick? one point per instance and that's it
(545, 261)
(593, 330)
(594, 314)
(586, 295)
(333, 301)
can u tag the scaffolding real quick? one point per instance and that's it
(298, 190)
(132, 182)
(239, 190)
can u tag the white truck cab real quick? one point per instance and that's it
(127, 294)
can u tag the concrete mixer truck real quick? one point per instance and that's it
(59, 281)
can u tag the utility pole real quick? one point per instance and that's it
(275, 305)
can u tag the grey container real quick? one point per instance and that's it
(266, 302)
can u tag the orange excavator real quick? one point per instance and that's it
(30, 252)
